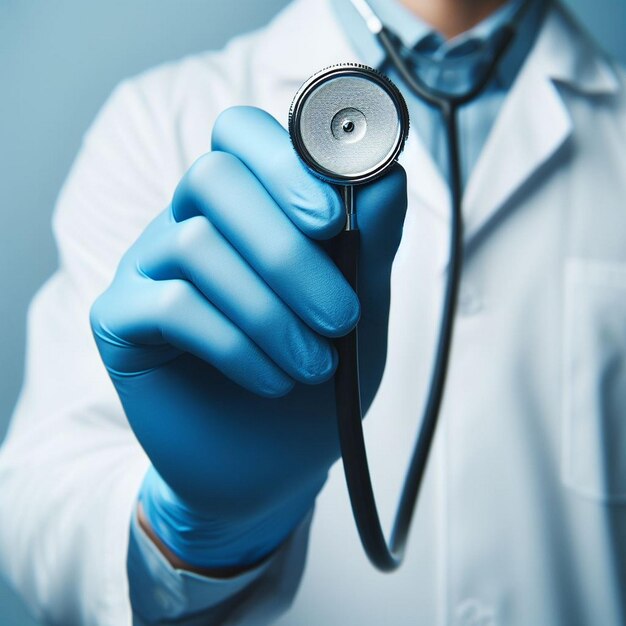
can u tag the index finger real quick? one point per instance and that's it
(264, 146)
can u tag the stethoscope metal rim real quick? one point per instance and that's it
(336, 71)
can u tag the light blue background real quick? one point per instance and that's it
(58, 62)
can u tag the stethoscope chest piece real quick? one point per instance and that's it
(348, 123)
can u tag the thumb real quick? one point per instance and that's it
(381, 208)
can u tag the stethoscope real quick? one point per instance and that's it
(349, 123)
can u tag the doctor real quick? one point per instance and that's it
(213, 305)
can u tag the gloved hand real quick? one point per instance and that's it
(217, 334)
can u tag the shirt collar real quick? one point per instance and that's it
(413, 30)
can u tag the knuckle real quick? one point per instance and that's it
(265, 315)
(107, 318)
(204, 174)
(113, 303)
(209, 167)
(233, 346)
(283, 254)
(192, 234)
(229, 119)
(98, 313)
(171, 296)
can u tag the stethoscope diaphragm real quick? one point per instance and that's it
(348, 123)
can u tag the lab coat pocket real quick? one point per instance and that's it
(594, 425)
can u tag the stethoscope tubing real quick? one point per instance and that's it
(389, 556)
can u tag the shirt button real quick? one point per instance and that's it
(469, 301)
(473, 612)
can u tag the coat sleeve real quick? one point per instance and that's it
(70, 467)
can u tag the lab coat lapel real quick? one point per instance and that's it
(534, 123)
(531, 128)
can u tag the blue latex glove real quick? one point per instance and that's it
(216, 332)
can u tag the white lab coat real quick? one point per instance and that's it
(522, 521)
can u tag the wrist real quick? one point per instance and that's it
(177, 563)
(209, 543)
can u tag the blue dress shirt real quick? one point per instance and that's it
(449, 64)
